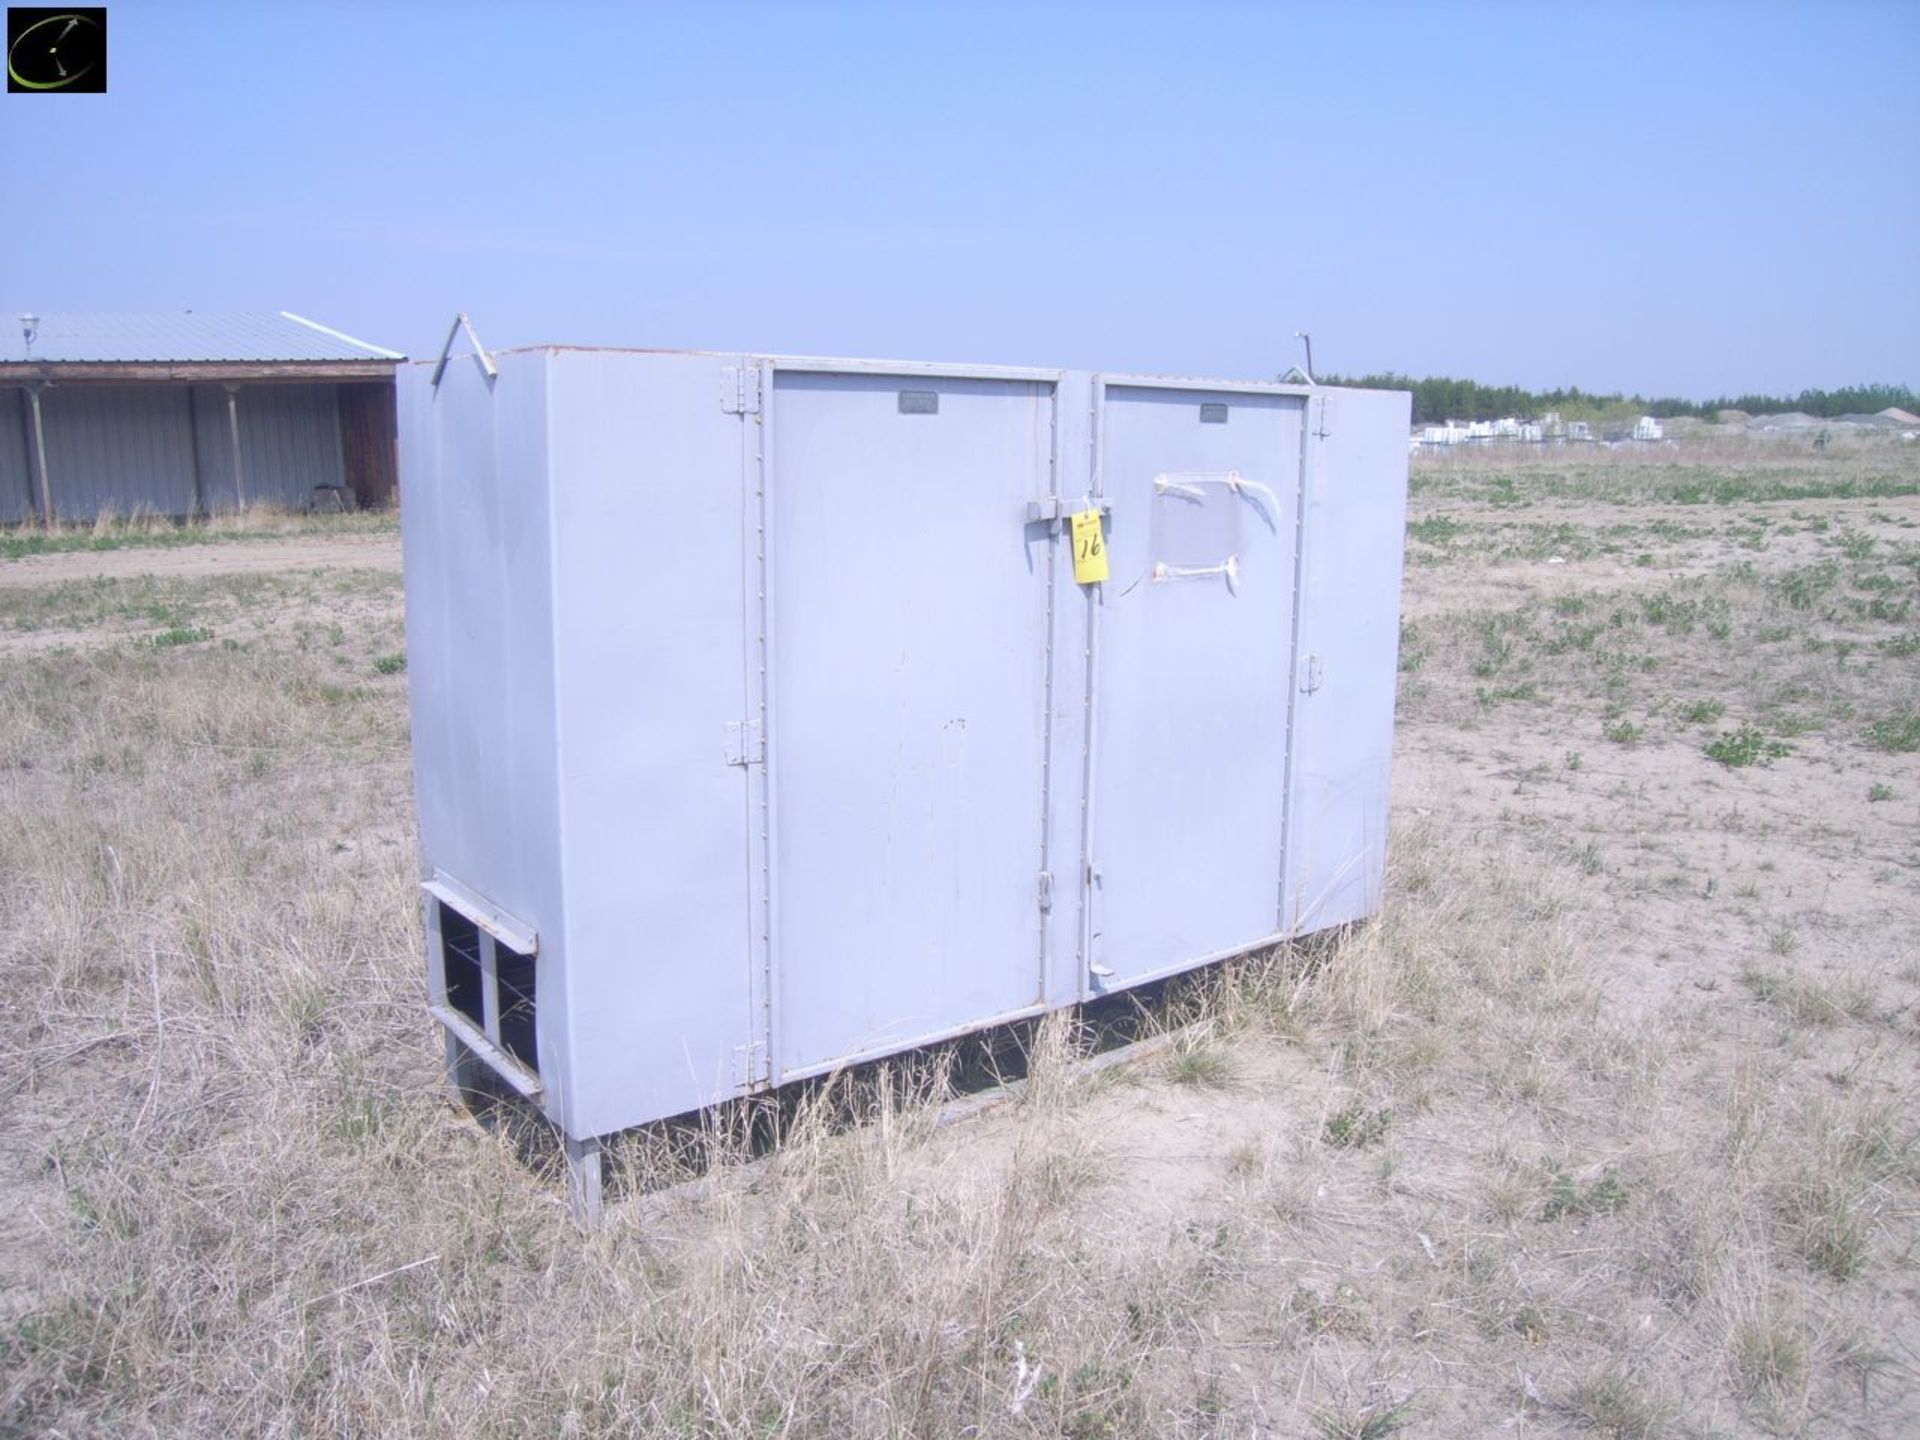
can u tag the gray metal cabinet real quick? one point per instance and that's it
(761, 725)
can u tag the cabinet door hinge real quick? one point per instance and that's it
(740, 389)
(746, 742)
(750, 1064)
(1046, 889)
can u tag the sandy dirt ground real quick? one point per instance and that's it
(1653, 545)
(85, 601)
(182, 562)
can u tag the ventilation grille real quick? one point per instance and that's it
(460, 949)
(491, 985)
(516, 980)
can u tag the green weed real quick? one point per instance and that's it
(1897, 734)
(1374, 1422)
(1439, 530)
(1770, 1357)
(1490, 696)
(1701, 712)
(1566, 1196)
(1355, 1127)
(179, 635)
(1203, 1064)
(1612, 1404)
(1807, 1001)
(1746, 746)
(1802, 587)
(1823, 1212)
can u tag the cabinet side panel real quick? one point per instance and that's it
(651, 472)
(1349, 656)
(480, 670)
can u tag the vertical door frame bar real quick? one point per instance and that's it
(762, 1067)
(1096, 600)
(1055, 530)
(762, 433)
(1309, 459)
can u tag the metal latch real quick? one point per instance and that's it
(1310, 675)
(1046, 890)
(746, 742)
(740, 389)
(1053, 511)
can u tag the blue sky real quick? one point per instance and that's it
(1685, 199)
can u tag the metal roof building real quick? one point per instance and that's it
(189, 414)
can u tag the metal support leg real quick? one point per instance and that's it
(583, 1180)
(463, 1070)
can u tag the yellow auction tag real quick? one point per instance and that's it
(1089, 548)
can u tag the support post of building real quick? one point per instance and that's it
(40, 455)
(233, 437)
(583, 1180)
(199, 502)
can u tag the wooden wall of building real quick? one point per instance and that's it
(367, 435)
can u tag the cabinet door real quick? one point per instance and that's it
(1193, 656)
(907, 718)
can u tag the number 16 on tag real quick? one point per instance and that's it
(1089, 548)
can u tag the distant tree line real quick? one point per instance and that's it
(1440, 397)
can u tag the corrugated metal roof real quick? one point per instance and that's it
(189, 336)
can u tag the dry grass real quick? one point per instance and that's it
(1485, 1165)
(111, 530)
